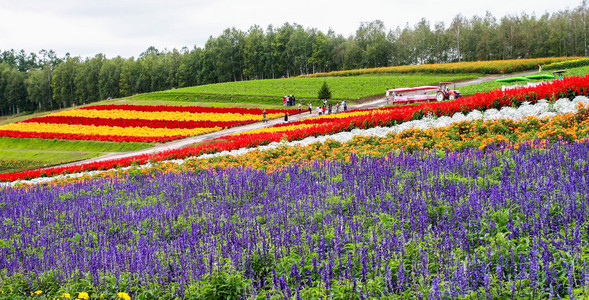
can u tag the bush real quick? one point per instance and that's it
(324, 91)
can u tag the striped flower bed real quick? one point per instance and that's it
(566, 88)
(134, 123)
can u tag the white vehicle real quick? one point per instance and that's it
(418, 94)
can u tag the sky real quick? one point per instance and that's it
(128, 27)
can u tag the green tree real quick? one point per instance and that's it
(63, 82)
(321, 53)
(129, 75)
(324, 91)
(110, 78)
(253, 53)
(38, 86)
(16, 92)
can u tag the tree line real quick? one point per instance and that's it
(42, 81)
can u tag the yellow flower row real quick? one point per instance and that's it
(105, 130)
(161, 115)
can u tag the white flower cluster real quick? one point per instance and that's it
(541, 109)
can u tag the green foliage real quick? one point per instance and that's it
(223, 286)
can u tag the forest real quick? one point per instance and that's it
(43, 81)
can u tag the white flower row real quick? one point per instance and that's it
(541, 109)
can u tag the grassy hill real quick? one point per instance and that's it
(270, 91)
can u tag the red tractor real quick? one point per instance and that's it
(444, 93)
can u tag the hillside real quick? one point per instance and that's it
(270, 91)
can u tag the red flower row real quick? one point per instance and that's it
(565, 88)
(134, 122)
(191, 109)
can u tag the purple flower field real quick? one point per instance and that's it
(510, 224)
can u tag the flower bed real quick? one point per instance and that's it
(481, 134)
(463, 225)
(565, 88)
(134, 123)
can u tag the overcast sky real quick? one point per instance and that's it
(128, 27)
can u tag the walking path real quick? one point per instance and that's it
(177, 144)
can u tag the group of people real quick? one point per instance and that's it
(289, 100)
(327, 107)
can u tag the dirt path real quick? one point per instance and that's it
(177, 144)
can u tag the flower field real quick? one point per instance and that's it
(493, 209)
(134, 123)
(325, 125)
(462, 225)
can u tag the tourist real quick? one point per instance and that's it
(318, 110)
(310, 108)
(300, 106)
(264, 117)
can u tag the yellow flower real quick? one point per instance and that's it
(124, 296)
(65, 295)
(106, 130)
(162, 115)
(83, 295)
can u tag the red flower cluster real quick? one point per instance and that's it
(134, 122)
(565, 88)
(190, 109)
